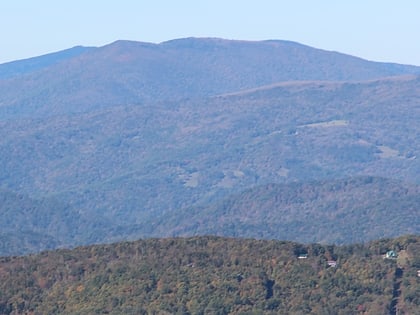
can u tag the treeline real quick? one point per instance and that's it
(212, 275)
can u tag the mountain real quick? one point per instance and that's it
(127, 72)
(125, 167)
(123, 140)
(210, 275)
(17, 68)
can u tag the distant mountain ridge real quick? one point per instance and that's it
(121, 141)
(25, 66)
(134, 72)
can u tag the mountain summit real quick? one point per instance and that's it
(124, 140)
(123, 72)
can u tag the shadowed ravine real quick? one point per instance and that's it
(396, 291)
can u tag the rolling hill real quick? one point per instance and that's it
(209, 275)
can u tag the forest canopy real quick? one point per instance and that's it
(213, 275)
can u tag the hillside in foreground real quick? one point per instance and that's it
(211, 275)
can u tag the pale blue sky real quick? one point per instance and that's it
(380, 30)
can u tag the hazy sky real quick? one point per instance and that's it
(380, 30)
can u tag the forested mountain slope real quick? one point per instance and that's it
(127, 72)
(21, 67)
(335, 211)
(127, 166)
(209, 275)
(117, 142)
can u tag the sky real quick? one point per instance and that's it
(379, 30)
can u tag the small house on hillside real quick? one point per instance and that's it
(332, 263)
(303, 256)
(391, 254)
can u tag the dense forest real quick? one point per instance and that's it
(337, 211)
(213, 275)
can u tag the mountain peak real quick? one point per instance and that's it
(176, 69)
(130, 131)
